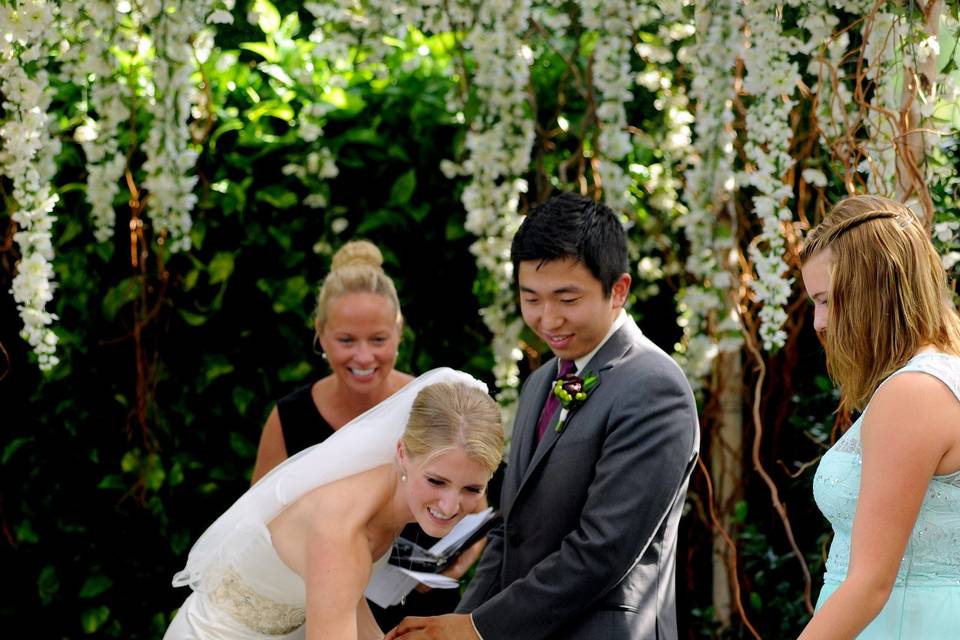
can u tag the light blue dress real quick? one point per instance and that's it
(925, 602)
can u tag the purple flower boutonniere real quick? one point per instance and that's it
(572, 391)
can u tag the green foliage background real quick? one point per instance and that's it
(99, 507)
(112, 464)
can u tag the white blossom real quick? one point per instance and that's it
(814, 177)
(220, 16)
(27, 152)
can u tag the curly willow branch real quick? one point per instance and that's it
(731, 545)
(778, 505)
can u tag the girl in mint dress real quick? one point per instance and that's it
(890, 486)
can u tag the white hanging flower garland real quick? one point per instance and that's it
(499, 144)
(170, 157)
(90, 61)
(612, 21)
(710, 181)
(27, 158)
(771, 77)
(659, 180)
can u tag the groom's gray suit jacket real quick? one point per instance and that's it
(587, 548)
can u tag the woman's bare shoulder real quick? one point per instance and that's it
(345, 503)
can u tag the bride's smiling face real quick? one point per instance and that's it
(443, 488)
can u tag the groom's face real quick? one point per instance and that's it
(563, 303)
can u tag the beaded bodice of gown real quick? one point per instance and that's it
(932, 556)
(261, 591)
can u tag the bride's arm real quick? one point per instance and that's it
(338, 568)
(367, 626)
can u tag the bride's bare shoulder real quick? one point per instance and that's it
(348, 501)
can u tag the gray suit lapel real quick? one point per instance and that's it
(524, 430)
(601, 363)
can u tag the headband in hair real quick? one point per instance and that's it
(869, 216)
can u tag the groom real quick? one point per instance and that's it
(596, 482)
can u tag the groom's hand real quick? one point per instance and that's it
(454, 626)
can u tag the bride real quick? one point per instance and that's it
(292, 557)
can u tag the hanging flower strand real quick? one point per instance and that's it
(169, 145)
(27, 159)
(499, 143)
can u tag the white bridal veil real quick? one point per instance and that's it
(367, 441)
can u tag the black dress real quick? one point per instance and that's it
(303, 426)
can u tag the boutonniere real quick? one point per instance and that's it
(572, 391)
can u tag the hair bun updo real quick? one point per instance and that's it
(357, 253)
(356, 268)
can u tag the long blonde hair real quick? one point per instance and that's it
(449, 415)
(356, 268)
(888, 293)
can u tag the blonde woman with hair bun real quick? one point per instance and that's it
(890, 486)
(358, 325)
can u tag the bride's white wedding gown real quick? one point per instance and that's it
(242, 590)
(259, 597)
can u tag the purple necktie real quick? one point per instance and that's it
(552, 405)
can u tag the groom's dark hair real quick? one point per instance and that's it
(571, 226)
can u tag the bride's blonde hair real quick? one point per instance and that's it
(356, 268)
(888, 294)
(449, 415)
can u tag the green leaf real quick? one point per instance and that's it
(242, 397)
(93, 619)
(362, 136)
(25, 533)
(265, 49)
(190, 280)
(130, 461)
(221, 267)
(154, 474)
(112, 481)
(289, 294)
(226, 127)
(191, 318)
(217, 367)
(242, 446)
(95, 585)
(269, 17)
(12, 448)
(180, 542)
(175, 477)
(277, 73)
(335, 96)
(823, 383)
(379, 219)
(272, 108)
(740, 511)
(403, 188)
(118, 296)
(48, 584)
(295, 372)
(278, 197)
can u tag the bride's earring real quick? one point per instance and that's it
(403, 476)
(317, 349)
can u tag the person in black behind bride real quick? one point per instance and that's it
(358, 325)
